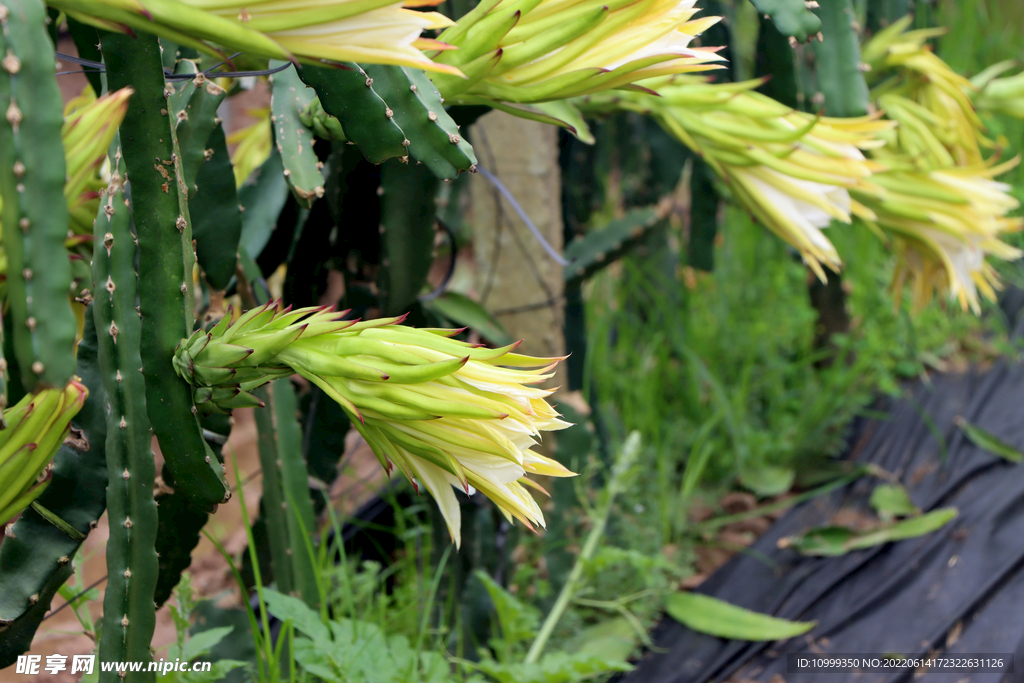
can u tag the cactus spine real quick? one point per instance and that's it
(34, 215)
(160, 209)
(128, 611)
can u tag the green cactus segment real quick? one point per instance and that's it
(178, 532)
(194, 106)
(599, 248)
(129, 615)
(262, 200)
(837, 61)
(86, 41)
(348, 95)
(34, 215)
(216, 218)
(295, 487)
(434, 139)
(289, 97)
(700, 251)
(274, 504)
(16, 636)
(791, 17)
(181, 522)
(323, 125)
(165, 256)
(407, 219)
(35, 557)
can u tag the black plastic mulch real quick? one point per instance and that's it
(958, 590)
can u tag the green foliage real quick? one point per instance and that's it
(716, 617)
(347, 651)
(194, 106)
(989, 442)
(197, 646)
(837, 540)
(286, 504)
(432, 137)
(892, 500)
(732, 378)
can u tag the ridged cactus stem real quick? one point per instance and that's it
(273, 502)
(129, 615)
(35, 215)
(286, 501)
(160, 211)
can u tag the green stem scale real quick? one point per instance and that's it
(160, 211)
(128, 610)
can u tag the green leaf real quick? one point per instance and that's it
(826, 541)
(892, 500)
(832, 541)
(202, 642)
(462, 310)
(288, 608)
(613, 639)
(908, 528)
(518, 620)
(555, 667)
(262, 198)
(989, 442)
(791, 17)
(718, 618)
(767, 480)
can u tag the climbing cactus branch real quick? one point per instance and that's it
(34, 215)
(160, 211)
(129, 615)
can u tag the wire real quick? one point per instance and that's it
(100, 68)
(555, 256)
(87, 589)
